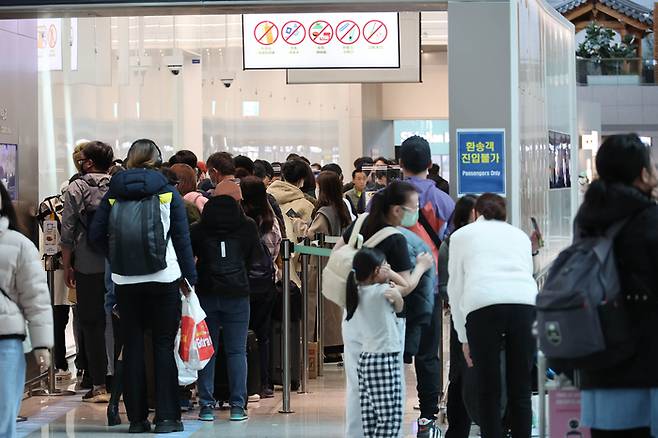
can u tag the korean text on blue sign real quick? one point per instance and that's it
(481, 161)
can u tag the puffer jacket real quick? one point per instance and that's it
(636, 250)
(139, 184)
(289, 197)
(23, 280)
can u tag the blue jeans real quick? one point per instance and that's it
(12, 380)
(232, 315)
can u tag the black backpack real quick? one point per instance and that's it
(137, 241)
(261, 274)
(227, 273)
(581, 315)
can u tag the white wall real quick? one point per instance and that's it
(427, 100)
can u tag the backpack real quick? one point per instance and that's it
(95, 191)
(261, 274)
(227, 273)
(581, 316)
(137, 241)
(339, 265)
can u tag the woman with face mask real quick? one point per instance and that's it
(622, 401)
(395, 206)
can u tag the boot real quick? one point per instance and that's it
(113, 417)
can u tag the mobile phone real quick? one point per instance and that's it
(293, 214)
(535, 226)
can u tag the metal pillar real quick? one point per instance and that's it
(305, 302)
(320, 317)
(285, 338)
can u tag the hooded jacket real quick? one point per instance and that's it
(224, 229)
(636, 250)
(24, 295)
(135, 184)
(81, 200)
(289, 197)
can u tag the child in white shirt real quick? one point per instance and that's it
(372, 304)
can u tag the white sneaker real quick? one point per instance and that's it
(61, 375)
(254, 398)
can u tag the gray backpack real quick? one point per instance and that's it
(581, 315)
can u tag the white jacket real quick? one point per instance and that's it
(23, 279)
(490, 263)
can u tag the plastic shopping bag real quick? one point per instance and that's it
(186, 376)
(196, 347)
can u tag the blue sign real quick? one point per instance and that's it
(481, 161)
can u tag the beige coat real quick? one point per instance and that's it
(289, 197)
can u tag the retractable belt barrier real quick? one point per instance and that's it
(305, 250)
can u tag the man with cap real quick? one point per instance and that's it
(435, 211)
(226, 243)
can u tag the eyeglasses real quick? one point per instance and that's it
(82, 161)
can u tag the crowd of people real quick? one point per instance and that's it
(137, 233)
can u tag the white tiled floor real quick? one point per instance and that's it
(317, 414)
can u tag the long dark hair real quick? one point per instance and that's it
(462, 214)
(364, 265)
(331, 195)
(8, 210)
(396, 193)
(255, 203)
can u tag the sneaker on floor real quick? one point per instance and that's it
(62, 375)
(206, 413)
(140, 427)
(169, 426)
(427, 428)
(267, 393)
(238, 414)
(96, 396)
(254, 398)
(185, 405)
(84, 382)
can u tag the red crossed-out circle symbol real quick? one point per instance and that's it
(375, 32)
(266, 33)
(293, 32)
(321, 32)
(348, 32)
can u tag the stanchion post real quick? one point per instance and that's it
(285, 338)
(305, 302)
(51, 266)
(320, 317)
(541, 389)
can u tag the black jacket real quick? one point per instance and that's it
(138, 184)
(636, 250)
(223, 220)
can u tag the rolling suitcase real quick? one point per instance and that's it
(276, 354)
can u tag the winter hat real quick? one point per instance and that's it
(228, 188)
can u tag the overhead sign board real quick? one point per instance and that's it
(481, 161)
(321, 40)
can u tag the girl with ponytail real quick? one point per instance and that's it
(372, 304)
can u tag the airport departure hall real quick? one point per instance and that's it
(273, 218)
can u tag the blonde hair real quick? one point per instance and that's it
(77, 154)
(143, 154)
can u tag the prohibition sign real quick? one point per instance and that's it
(348, 32)
(266, 33)
(293, 32)
(321, 32)
(375, 32)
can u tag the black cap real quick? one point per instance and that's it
(415, 154)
